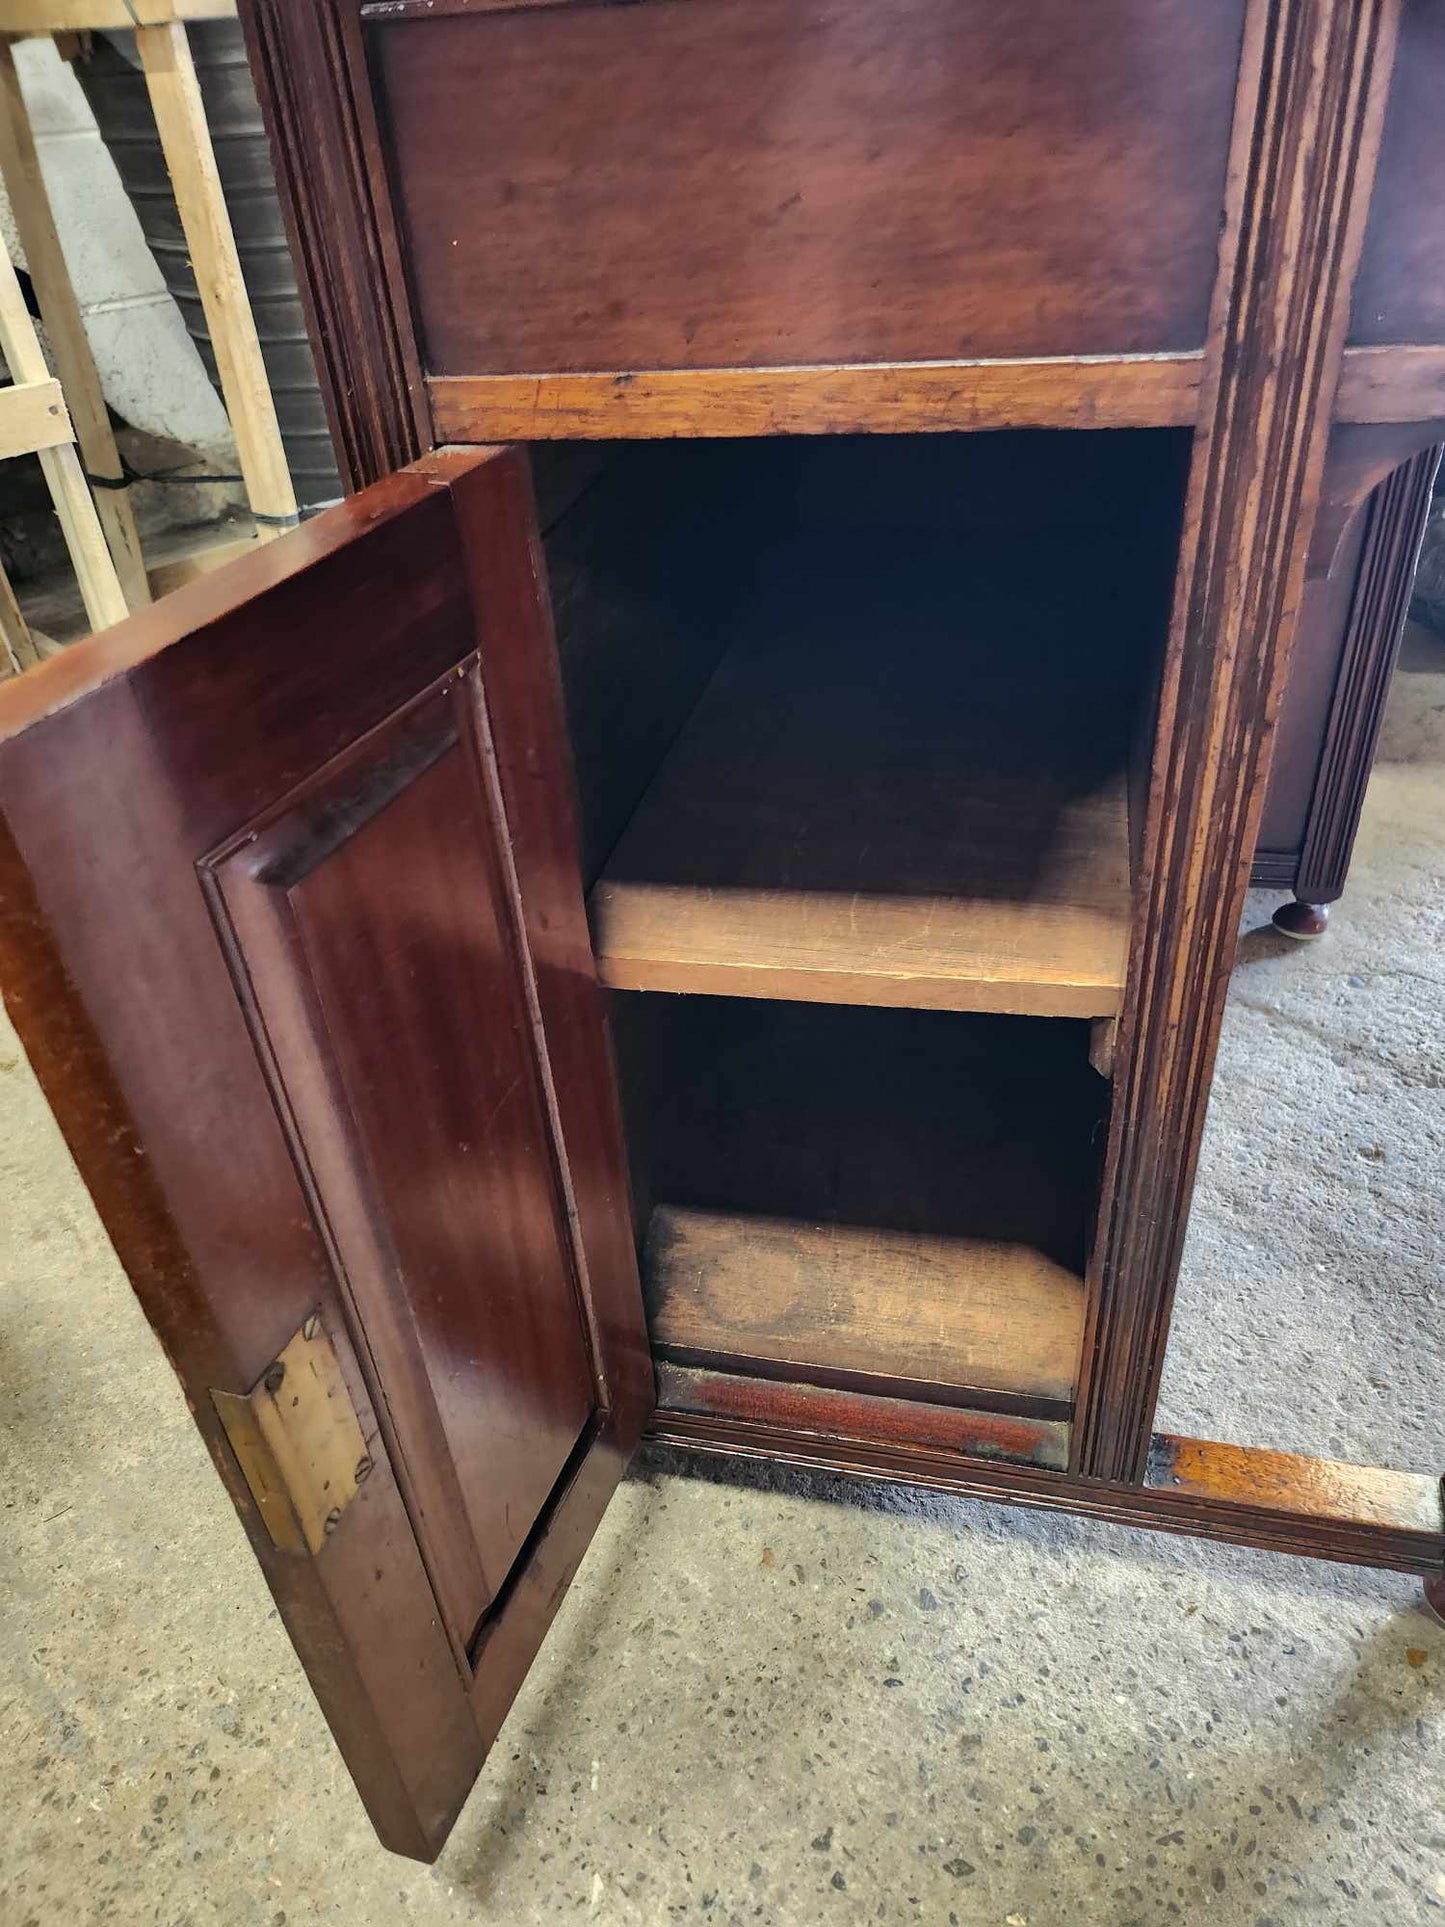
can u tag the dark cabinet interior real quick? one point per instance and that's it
(858, 728)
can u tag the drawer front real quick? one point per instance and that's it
(685, 184)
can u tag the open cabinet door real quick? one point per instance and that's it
(294, 937)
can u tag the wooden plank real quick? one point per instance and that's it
(900, 1311)
(65, 330)
(826, 1410)
(181, 122)
(904, 786)
(1338, 1535)
(16, 639)
(1287, 1482)
(1081, 391)
(95, 572)
(32, 417)
(176, 571)
(1401, 384)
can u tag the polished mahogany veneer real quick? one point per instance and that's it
(721, 183)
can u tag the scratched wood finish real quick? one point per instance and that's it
(869, 1308)
(1069, 391)
(202, 1075)
(1307, 130)
(1405, 384)
(733, 183)
(1240, 1510)
(829, 1412)
(1286, 1482)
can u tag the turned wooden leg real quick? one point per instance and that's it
(1435, 1598)
(1302, 921)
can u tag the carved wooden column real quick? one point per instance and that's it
(1311, 101)
(310, 67)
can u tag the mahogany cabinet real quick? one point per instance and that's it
(708, 912)
(1333, 706)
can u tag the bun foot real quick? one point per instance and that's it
(1435, 1598)
(1302, 921)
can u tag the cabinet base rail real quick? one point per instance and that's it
(1242, 1495)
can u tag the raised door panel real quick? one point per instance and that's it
(267, 898)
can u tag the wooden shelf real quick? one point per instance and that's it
(882, 1200)
(947, 1319)
(904, 786)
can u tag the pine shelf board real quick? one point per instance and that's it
(893, 806)
(921, 1315)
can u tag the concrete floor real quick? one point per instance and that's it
(785, 1701)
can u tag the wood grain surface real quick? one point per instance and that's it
(905, 785)
(896, 1309)
(734, 183)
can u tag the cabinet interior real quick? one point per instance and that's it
(861, 730)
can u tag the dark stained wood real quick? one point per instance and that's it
(1401, 383)
(1372, 1519)
(368, 920)
(316, 99)
(1008, 216)
(904, 786)
(1304, 715)
(1307, 130)
(308, 727)
(1391, 544)
(367, 1600)
(643, 576)
(735, 183)
(834, 1413)
(1362, 456)
(1071, 391)
(799, 1150)
(1302, 920)
(1399, 290)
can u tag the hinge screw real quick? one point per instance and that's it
(310, 1327)
(363, 1467)
(274, 1375)
(332, 1521)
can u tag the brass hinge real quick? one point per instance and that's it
(298, 1440)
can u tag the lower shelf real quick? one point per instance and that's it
(946, 1319)
(887, 1202)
